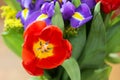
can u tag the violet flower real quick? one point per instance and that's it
(25, 3)
(23, 15)
(78, 16)
(81, 16)
(67, 10)
(28, 8)
(45, 14)
(90, 3)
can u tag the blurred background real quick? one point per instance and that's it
(10, 64)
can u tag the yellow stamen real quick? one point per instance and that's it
(78, 16)
(43, 49)
(42, 17)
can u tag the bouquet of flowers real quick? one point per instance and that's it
(64, 39)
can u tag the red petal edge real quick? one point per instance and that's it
(32, 69)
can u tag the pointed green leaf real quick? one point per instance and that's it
(13, 4)
(72, 68)
(94, 52)
(57, 18)
(78, 42)
(76, 2)
(96, 74)
(113, 39)
(13, 40)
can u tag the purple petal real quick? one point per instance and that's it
(32, 18)
(76, 23)
(18, 14)
(37, 16)
(81, 16)
(48, 8)
(23, 15)
(90, 3)
(67, 10)
(38, 4)
(84, 10)
(26, 3)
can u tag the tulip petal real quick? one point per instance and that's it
(52, 34)
(34, 27)
(32, 69)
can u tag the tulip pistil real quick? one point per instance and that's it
(43, 49)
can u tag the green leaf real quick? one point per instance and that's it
(116, 20)
(78, 42)
(96, 74)
(76, 2)
(13, 40)
(113, 58)
(38, 78)
(57, 18)
(13, 4)
(72, 68)
(94, 51)
(113, 39)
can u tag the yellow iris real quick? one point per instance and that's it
(43, 49)
(78, 16)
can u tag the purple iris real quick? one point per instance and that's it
(28, 8)
(90, 3)
(25, 3)
(67, 10)
(45, 14)
(78, 16)
(81, 16)
(43, 10)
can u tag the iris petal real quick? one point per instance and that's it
(25, 13)
(42, 17)
(81, 16)
(67, 10)
(37, 16)
(78, 16)
(90, 3)
(48, 8)
(26, 3)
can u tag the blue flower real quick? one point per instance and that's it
(78, 16)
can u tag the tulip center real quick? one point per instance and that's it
(43, 49)
(78, 16)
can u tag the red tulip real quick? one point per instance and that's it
(44, 48)
(109, 5)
